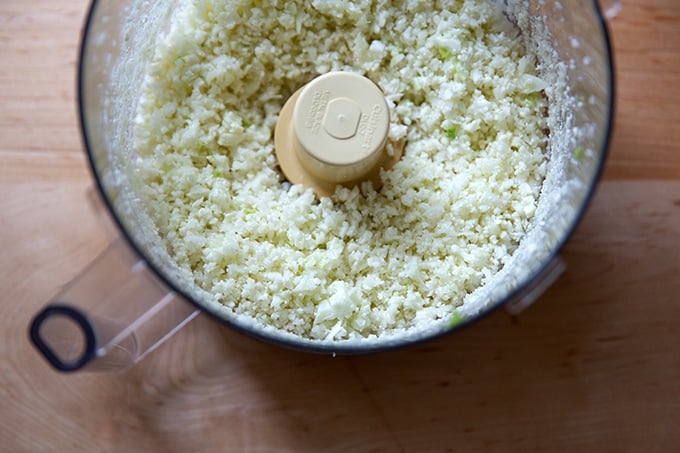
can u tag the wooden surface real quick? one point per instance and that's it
(593, 366)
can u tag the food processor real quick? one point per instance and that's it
(133, 296)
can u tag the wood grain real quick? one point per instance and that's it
(593, 366)
(646, 39)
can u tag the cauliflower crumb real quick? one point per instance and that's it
(462, 93)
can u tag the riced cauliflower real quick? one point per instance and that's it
(462, 92)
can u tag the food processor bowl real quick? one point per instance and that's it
(102, 321)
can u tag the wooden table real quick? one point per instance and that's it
(593, 366)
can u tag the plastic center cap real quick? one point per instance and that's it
(334, 131)
(342, 118)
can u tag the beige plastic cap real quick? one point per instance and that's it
(334, 131)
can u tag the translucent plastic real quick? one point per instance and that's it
(120, 308)
(110, 316)
(578, 35)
